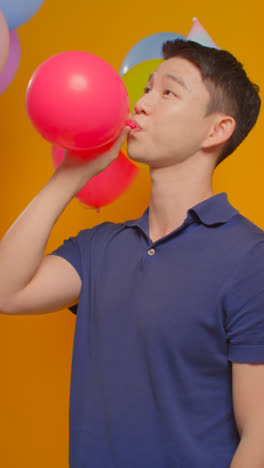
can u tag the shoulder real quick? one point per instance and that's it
(247, 273)
(100, 232)
(249, 226)
(244, 232)
(250, 238)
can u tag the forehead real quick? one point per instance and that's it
(181, 68)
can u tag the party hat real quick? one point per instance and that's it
(198, 34)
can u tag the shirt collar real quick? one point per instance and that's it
(213, 210)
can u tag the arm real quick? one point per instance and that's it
(30, 234)
(248, 403)
(31, 230)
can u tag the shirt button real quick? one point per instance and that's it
(151, 251)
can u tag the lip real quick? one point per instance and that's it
(135, 130)
(138, 127)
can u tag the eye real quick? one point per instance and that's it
(168, 91)
(145, 89)
(149, 89)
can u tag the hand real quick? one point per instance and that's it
(94, 161)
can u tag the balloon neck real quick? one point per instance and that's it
(130, 124)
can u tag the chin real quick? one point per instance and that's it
(136, 157)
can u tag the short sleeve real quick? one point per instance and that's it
(244, 309)
(71, 251)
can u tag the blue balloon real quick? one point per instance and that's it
(18, 12)
(148, 48)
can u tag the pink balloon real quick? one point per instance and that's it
(12, 62)
(107, 186)
(4, 41)
(77, 101)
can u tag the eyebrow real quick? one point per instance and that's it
(175, 78)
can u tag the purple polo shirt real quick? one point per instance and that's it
(157, 328)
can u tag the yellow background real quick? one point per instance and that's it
(36, 351)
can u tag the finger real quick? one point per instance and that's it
(124, 134)
(121, 139)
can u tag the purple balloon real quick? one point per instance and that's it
(12, 63)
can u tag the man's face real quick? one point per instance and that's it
(171, 113)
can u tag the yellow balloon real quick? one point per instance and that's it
(135, 81)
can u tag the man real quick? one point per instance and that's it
(167, 368)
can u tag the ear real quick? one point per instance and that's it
(220, 131)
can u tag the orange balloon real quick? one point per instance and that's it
(107, 186)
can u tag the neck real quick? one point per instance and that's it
(174, 190)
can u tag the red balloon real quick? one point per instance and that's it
(77, 101)
(107, 186)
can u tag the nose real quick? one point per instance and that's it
(143, 105)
